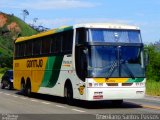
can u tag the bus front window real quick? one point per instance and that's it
(109, 35)
(115, 61)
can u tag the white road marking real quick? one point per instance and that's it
(46, 103)
(60, 106)
(153, 99)
(14, 95)
(23, 98)
(78, 110)
(7, 94)
(34, 100)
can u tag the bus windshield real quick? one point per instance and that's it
(115, 61)
(116, 35)
(109, 53)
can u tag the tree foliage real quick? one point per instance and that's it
(153, 68)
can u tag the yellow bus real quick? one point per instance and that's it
(91, 62)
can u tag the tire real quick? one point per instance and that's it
(22, 91)
(2, 85)
(69, 94)
(117, 102)
(28, 89)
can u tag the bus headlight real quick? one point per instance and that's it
(95, 84)
(89, 84)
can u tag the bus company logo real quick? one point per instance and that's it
(35, 63)
(81, 89)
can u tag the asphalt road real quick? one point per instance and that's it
(14, 106)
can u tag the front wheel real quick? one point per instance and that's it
(69, 95)
(28, 90)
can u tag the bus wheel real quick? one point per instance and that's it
(28, 89)
(69, 94)
(22, 91)
(117, 102)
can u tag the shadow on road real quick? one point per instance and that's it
(84, 104)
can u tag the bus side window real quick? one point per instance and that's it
(28, 50)
(80, 35)
(46, 42)
(57, 46)
(20, 47)
(16, 50)
(52, 44)
(56, 43)
(36, 47)
(67, 41)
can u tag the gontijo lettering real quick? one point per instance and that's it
(34, 63)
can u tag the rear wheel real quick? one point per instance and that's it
(28, 89)
(22, 91)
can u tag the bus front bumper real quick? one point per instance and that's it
(97, 94)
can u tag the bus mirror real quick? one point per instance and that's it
(85, 51)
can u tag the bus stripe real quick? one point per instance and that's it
(51, 76)
(56, 70)
(48, 71)
(130, 80)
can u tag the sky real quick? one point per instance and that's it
(55, 13)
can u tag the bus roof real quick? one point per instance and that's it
(49, 32)
(107, 26)
(86, 25)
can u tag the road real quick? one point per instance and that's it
(45, 107)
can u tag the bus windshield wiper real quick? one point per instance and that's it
(112, 68)
(127, 70)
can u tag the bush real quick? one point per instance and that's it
(153, 68)
(3, 70)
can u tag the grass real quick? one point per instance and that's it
(153, 88)
(0, 76)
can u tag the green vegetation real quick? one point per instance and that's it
(11, 27)
(153, 70)
(153, 88)
(26, 30)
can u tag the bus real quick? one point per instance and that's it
(90, 62)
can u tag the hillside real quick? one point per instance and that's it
(12, 27)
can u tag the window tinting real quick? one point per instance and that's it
(107, 35)
(36, 47)
(59, 43)
(67, 41)
(80, 35)
(28, 50)
(46, 43)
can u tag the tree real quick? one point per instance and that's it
(35, 20)
(25, 13)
